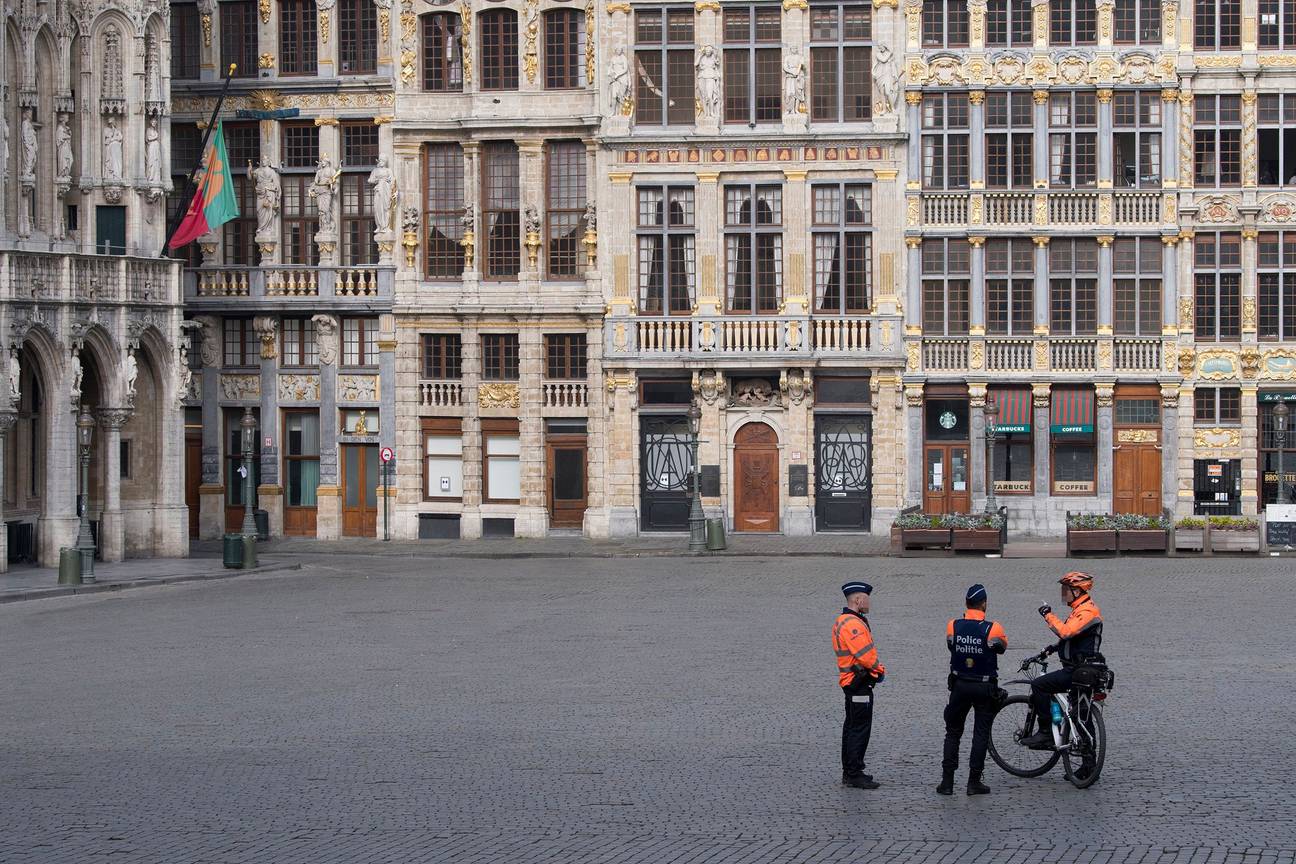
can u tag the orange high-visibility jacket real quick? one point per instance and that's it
(853, 645)
(1081, 632)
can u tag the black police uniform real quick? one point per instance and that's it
(973, 683)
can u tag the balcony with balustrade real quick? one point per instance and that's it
(1040, 210)
(655, 340)
(1064, 355)
(94, 279)
(287, 286)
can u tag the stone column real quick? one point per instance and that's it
(888, 448)
(1169, 289)
(1250, 142)
(796, 217)
(1185, 451)
(617, 116)
(914, 465)
(328, 508)
(1250, 260)
(531, 176)
(474, 249)
(709, 212)
(330, 148)
(269, 492)
(8, 417)
(1106, 10)
(1103, 426)
(976, 301)
(211, 494)
(533, 514)
(112, 530)
(599, 419)
(976, 140)
(470, 522)
(796, 33)
(913, 113)
(1040, 404)
(1105, 284)
(913, 283)
(1040, 117)
(1105, 144)
(1185, 134)
(324, 39)
(386, 344)
(1251, 503)
(384, 50)
(268, 244)
(1170, 137)
(977, 443)
(209, 52)
(622, 458)
(1170, 447)
(1041, 285)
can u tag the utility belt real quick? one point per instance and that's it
(988, 680)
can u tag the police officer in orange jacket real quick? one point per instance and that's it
(858, 670)
(1079, 638)
(975, 645)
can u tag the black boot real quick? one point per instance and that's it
(859, 781)
(946, 786)
(976, 787)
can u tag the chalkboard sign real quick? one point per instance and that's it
(1279, 534)
(710, 481)
(798, 482)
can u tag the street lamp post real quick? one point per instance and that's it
(85, 540)
(1280, 432)
(991, 429)
(697, 522)
(248, 426)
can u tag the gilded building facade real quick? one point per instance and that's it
(90, 318)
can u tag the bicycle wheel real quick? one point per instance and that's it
(1012, 722)
(1084, 762)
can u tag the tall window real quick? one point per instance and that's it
(666, 238)
(1136, 139)
(945, 140)
(300, 215)
(1010, 287)
(302, 457)
(663, 61)
(843, 246)
(1217, 140)
(1138, 22)
(442, 355)
(234, 458)
(1136, 286)
(359, 155)
(442, 52)
(186, 143)
(499, 49)
(185, 29)
(1277, 140)
(1216, 405)
(1073, 22)
(944, 24)
(1073, 140)
(297, 45)
(499, 356)
(359, 341)
(444, 215)
(841, 80)
(565, 355)
(238, 37)
(1010, 132)
(1008, 23)
(753, 76)
(1217, 278)
(565, 209)
(242, 145)
(946, 275)
(299, 342)
(1073, 287)
(500, 209)
(1217, 25)
(1277, 24)
(357, 37)
(1276, 284)
(754, 247)
(564, 41)
(241, 343)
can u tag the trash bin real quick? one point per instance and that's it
(262, 520)
(233, 551)
(69, 566)
(715, 535)
(249, 552)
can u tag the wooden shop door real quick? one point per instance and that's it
(945, 488)
(565, 468)
(193, 479)
(360, 479)
(756, 479)
(1136, 480)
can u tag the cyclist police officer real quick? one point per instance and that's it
(858, 670)
(1080, 637)
(975, 645)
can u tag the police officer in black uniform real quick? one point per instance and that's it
(975, 645)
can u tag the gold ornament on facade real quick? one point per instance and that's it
(1279, 364)
(913, 97)
(384, 26)
(408, 61)
(1281, 60)
(1041, 13)
(1137, 436)
(1104, 355)
(1216, 364)
(465, 40)
(912, 357)
(789, 5)
(1217, 438)
(263, 6)
(1041, 97)
(530, 55)
(976, 97)
(1250, 358)
(467, 242)
(589, 43)
(1169, 397)
(206, 30)
(498, 394)
(1186, 314)
(1248, 316)
(1217, 61)
(1170, 18)
(976, 355)
(976, 214)
(266, 61)
(1187, 361)
(913, 25)
(913, 395)
(590, 242)
(1104, 209)
(1040, 395)
(1041, 354)
(1169, 357)
(532, 244)
(1040, 216)
(1103, 396)
(913, 216)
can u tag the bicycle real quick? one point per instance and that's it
(1080, 739)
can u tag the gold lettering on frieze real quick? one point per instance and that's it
(1137, 436)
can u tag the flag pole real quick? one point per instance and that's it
(183, 205)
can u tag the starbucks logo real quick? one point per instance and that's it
(948, 420)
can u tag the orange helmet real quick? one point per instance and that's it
(1077, 580)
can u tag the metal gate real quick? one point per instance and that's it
(1217, 487)
(843, 472)
(665, 451)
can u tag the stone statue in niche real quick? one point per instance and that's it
(15, 376)
(794, 92)
(153, 152)
(707, 69)
(383, 182)
(112, 64)
(268, 190)
(27, 139)
(322, 189)
(77, 374)
(63, 149)
(618, 80)
(131, 373)
(4, 143)
(886, 79)
(184, 375)
(113, 150)
(326, 338)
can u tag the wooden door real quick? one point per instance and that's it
(568, 489)
(1136, 479)
(945, 479)
(360, 479)
(193, 479)
(756, 479)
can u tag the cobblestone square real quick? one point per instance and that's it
(392, 708)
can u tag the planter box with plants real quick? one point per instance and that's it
(956, 531)
(1123, 532)
(1227, 534)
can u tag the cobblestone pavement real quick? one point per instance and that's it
(642, 710)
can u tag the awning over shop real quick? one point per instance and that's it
(1014, 409)
(1073, 411)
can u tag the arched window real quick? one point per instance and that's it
(499, 50)
(564, 37)
(442, 52)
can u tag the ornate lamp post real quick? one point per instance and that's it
(991, 429)
(1280, 432)
(248, 426)
(697, 522)
(85, 540)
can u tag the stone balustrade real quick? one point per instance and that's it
(745, 335)
(1058, 354)
(564, 394)
(440, 394)
(52, 277)
(288, 282)
(1026, 211)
